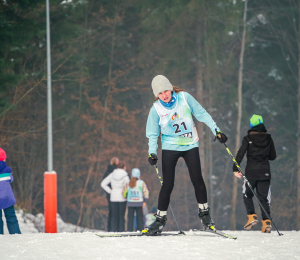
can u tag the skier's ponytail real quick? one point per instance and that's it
(132, 182)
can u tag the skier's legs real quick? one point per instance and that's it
(248, 195)
(114, 216)
(122, 209)
(192, 160)
(130, 218)
(139, 218)
(263, 189)
(169, 161)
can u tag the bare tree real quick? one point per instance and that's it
(239, 117)
(288, 39)
(199, 93)
(298, 141)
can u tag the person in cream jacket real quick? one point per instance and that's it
(118, 179)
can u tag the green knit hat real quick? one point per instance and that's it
(256, 120)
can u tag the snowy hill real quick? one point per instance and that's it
(33, 244)
(249, 245)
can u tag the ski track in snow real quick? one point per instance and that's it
(249, 245)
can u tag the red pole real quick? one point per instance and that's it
(50, 201)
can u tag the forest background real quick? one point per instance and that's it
(104, 56)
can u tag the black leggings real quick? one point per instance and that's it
(263, 191)
(169, 161)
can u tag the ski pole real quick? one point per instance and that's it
(161, 182)
(246, 180)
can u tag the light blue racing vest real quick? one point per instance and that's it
(136, 194)
(177, 125)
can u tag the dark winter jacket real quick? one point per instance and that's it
(109, 170)
(7, 197)
(260, 149)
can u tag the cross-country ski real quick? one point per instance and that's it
(174, 233)
(139, 234)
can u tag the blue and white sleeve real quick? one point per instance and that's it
(200, 113)
(153, 130)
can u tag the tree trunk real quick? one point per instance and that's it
(104, 117)
(62, 175)
(298, 156)
(210, 172)
(199, 94)
(239, 117)
(298, 145)
(209, 161)
(83, 194)
(110, 85)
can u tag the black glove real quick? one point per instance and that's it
(152, 159)
(223, 139)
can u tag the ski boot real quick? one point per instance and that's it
(252, 220)
(204, 216)
(156, 227)
(266, 226)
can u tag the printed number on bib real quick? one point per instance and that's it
(177, 130)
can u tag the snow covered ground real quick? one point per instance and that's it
(249, 245)
(69, 245)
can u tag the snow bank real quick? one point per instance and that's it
(249, 245)
(34, 224)
(33, 244)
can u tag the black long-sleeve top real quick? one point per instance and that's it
(260, 149)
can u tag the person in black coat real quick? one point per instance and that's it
(260, 149)
(110, 168)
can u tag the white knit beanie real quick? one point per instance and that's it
(160, 83)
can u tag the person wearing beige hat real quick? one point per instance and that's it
(171, 117)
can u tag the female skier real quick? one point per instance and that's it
(171, 116)
(136, 193)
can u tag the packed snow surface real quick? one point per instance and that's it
(249, 245)
(71, 243)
